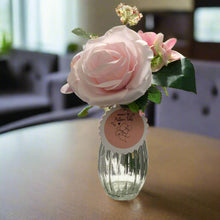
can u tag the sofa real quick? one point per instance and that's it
(30, 84)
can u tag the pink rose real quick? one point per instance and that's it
(112, 69)
(163, 51)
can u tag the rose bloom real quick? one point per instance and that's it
(112, 69)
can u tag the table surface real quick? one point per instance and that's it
(50, 172)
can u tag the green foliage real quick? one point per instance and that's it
(179, 74)
(133, 107)
(84, 112)
(142, 102)
(81, 33)
(5, 44)
(72, 47)
(154, 95)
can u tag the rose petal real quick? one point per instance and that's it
(144, 56)
(66, 89)
(75, 59)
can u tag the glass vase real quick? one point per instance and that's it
(123, 175)
(123, 155)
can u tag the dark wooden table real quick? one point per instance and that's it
(49, 172)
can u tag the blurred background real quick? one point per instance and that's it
(36, 47)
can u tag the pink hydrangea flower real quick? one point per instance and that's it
(162, 50)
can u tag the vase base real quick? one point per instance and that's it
(123, 197)
(122, 190)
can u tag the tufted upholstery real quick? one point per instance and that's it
(194, 113)
(64, 62)
(28, 68)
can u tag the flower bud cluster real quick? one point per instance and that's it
(129, 15)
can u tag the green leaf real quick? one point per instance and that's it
(154, 95)
(179, 74)
(133, 107)
(142, 102)
(81, 33)
(84, 112)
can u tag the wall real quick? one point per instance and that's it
(97, 16)
(155, 5)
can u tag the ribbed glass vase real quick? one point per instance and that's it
(123, 175)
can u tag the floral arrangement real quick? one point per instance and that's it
(127, 68)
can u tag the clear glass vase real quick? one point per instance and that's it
(123, 175)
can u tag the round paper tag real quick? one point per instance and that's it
(122, 130)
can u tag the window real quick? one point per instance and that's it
(5, 22)
(43, 25)
(207, 24)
